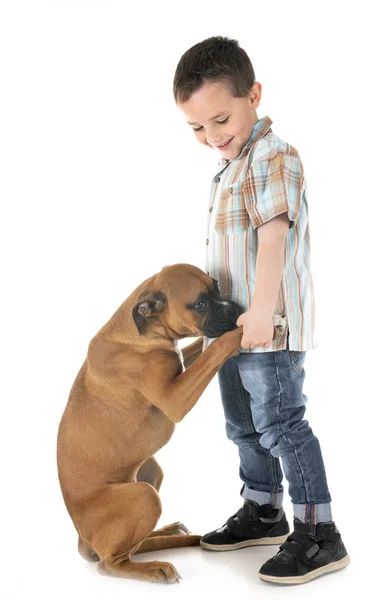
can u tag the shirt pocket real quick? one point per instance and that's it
(232, 216)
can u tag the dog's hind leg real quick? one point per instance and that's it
(151, 472)
(120, 519)
(86, 551)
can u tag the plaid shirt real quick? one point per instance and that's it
(265, 180)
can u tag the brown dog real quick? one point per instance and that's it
(123, 407)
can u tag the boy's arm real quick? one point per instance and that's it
(258, 320)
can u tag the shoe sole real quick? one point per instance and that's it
(274, 541)
(335, 566)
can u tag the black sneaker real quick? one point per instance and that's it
(310, 551)
(252, 525)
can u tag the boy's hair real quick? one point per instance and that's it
(214, 59)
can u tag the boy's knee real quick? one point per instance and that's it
(285, 438)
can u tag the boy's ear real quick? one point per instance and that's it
(255, 95)
(150, 305)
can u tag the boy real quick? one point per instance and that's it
(257, 247)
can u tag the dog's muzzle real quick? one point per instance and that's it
(222, 318)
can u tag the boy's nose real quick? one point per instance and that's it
(212, 140)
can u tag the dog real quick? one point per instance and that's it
(132, 389)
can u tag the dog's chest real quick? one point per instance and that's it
(179, 353)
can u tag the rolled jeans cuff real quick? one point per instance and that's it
(262, 497)
(313, 513)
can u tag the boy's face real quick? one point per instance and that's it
(219, 120)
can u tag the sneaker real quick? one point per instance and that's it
(310, 551)
(252, 525)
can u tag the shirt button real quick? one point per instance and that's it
(230, 190)
(207, 242)
(210, 209)
(217, 179)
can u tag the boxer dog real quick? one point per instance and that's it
(126, 399)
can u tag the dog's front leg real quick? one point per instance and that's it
(175, 396)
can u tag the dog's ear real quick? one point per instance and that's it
(150, 305)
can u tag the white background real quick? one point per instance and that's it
(102, 184)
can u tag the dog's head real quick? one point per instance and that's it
(186, 302)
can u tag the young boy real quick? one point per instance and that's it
(257, 247)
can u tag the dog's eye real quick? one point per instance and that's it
(201, 305)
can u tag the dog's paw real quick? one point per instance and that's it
(231, 341)
(163, 572)
(177, 528)
(182, 529)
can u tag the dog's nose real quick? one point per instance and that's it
(234, 308)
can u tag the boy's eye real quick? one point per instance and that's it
(219, 122)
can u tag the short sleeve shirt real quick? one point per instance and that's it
(264, 181)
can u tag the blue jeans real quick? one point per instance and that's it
(264, 408)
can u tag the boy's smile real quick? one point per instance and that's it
(219, 120)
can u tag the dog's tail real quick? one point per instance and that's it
(168, 541)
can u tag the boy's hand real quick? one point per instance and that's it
(258, 329)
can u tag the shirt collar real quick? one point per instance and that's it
(260, 129)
